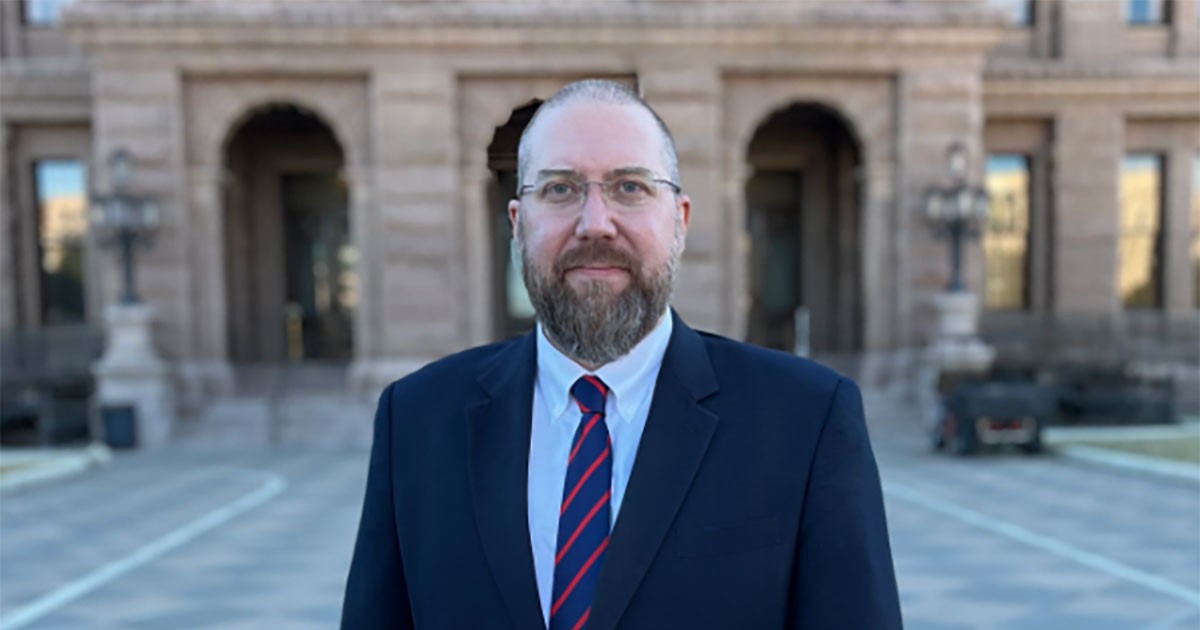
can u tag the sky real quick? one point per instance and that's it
(56, 178)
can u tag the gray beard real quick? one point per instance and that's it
(596, 326)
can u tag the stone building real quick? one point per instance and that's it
(332, 175)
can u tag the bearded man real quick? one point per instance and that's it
(615, 468)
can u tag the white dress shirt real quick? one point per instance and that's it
(630, 380)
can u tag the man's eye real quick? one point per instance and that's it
(558, 190)
(631, 187)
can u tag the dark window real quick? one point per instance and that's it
(1139, 277)
(1145, 12)
(1006, 236)
(62, 228)
(1019, 12)
(43, 12)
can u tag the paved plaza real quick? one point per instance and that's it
(223, 538)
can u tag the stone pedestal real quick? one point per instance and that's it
(131, 373)
(956, 346)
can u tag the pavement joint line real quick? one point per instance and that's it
(1045, 543)
(44, 605)
(1131, 461)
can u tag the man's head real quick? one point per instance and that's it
(599, 218)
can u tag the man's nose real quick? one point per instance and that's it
(595, 217)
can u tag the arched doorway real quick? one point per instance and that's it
(513, 312)
(290, 273)
(802, 218)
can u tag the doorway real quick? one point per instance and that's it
(802, 220)
(291, 277)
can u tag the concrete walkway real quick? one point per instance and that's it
(261, 538)
(23, 467)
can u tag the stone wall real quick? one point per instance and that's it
(415, 91)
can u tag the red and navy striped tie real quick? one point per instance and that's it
(583, 521)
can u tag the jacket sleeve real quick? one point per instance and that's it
(376, 591)
(843, 575)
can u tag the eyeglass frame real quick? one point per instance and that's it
(587, 184)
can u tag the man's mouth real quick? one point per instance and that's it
(597, 270)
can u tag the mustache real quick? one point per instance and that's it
(594, 253)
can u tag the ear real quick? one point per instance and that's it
(514, 208)
(685, 207)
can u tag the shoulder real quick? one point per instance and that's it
(457, 370)
(737, 362)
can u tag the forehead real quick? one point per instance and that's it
(594, 138)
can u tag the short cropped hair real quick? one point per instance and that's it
(600, 91)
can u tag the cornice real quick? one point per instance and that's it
(472, 23)
(1092, 69)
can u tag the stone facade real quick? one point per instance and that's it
(414, 92)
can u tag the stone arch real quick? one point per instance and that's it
(864, 104)
(217, 108)
(261, 106)
(827, 106)
(228, 109)
(802, 208)
(286, 239)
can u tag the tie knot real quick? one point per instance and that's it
(589, 393)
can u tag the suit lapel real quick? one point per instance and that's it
(676, 437)
(498, 431)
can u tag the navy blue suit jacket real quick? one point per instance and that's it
(754, 500)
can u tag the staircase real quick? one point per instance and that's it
(291, 405)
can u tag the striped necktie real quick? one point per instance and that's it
(583, 521)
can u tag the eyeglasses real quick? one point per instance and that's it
(629, 191)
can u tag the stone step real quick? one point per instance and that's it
(240, 421)
(325, 421)
(318, 420)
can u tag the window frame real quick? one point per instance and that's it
(1029, 12)
(1165, 14)
(50, 24)
(36, 218)
(1026, 303)
(1158, 261)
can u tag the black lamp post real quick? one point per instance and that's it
(123, 219)
(956, 211)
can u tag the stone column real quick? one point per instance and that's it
(8, 302)
(208, 374)
(1090, 29)
(884, 297)
(735, 311)
(1088, 148)
(412, 298)
(688, 99)
(1179, 285)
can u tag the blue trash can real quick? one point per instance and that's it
(120, 426)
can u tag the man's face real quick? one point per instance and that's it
(596, 271)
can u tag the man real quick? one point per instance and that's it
(615, 468)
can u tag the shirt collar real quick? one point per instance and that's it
(630, 379)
